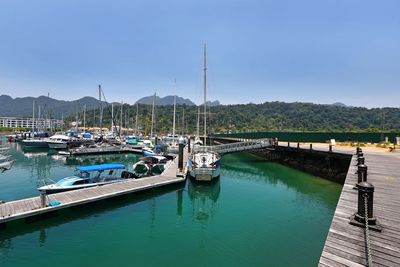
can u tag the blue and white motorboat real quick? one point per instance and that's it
(89, 176)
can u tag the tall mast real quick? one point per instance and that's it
(39, 121)
(84, 118)
(136, 122)
(198, 124)
(173, 124)
(33, 116)
(152, 116)
(101, 111)
(112, 118)
(120, 125)
(205, 94)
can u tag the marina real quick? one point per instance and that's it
(345, 244)
(202, 218)
(39, 205)
(188, 133)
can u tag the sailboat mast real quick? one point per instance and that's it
(39, 121)
(152, 116)
(136, 122)
(173, 124)
(120, 126)
(112, 118)
(84, 118)
(33, 116)
(101, 111)
(198, 124)
(205, 94)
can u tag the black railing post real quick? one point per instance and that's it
(310, 146)
(360, 161)
(298, 145)
(365, 190)
(189, 144)
(362, 173)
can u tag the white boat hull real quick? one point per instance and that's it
(51, 189)
(205, 174)
(57, 145)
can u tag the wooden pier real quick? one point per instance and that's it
(30, 207)
(346, 244)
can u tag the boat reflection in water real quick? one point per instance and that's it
(204, 197)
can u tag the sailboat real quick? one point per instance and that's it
(204, 164)
(173, 147)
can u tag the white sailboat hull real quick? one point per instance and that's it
(205, 174)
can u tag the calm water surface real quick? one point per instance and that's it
(256, 214)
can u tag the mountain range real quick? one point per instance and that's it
(23, 106)
(169, 100)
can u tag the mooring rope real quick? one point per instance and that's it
(368, 245)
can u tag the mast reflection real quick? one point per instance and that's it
(203, 198)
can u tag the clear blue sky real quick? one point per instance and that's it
(320, 51)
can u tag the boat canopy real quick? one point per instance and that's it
(102, 167)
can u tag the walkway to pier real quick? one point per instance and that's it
(239, 146)
(24, 208)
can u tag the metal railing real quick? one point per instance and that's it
(235, 147)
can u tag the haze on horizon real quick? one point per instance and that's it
(258, 50)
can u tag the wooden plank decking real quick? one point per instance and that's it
(345, 243)
(24, 208)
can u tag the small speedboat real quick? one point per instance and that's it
(89, 176)
(148, 166)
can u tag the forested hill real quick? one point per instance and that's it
(270, 116)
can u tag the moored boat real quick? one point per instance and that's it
(204, 163)
(60, 141)
(89, 176)
(150, 165)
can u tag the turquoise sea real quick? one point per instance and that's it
(257, 214)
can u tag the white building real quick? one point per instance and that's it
(12, 122)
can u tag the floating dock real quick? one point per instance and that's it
(30, 207)
(104, 150)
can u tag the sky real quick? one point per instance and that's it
(320, 51)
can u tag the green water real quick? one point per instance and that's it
(256, 214)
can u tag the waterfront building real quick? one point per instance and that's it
(15, 122)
